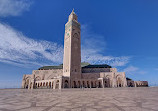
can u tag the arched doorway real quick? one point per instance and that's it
(83, 84)
(27, 84)
(95, 84)
(43, 84)
(88, 85)
(119, 82)
(92, 86)
(107, 82)
(74, 84)
(57, 84)
(46, 84)
(36, 86)
(130, 84)
(79, 84)
(49, 84)
(66, 84)
(99, 84)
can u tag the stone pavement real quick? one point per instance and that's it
(108, 99)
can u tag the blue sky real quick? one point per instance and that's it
(121, 33)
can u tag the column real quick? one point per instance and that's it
(102, 83)
(90, 84)
(60, 83)
(54, 85)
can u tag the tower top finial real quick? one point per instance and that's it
(73, 16)
(73, 11)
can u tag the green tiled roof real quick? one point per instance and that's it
(127, 78)
(97, 66)
(83, 65)
(50, 67)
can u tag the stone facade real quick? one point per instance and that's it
(72, 74)
(131, 83)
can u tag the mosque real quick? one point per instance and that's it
(74, 74)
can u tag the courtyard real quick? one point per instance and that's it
(95, 99)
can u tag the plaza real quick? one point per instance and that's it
(94, 99)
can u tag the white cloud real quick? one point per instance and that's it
(133, 70)
(15, 48)
(94, 58)
(13, 7)
(130, 70)
(92, 47)
(142, 72)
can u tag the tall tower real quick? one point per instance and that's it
(72, 48)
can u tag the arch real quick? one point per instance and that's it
(27, 82)
(95, 84)
(49, 84)
(74, 84)
(38, 78)
(43, 84)
(108, 81)
(28, 77)
(79, 84)
(92, 86)
(83, 84)
(99, 84)
(50, 77)
(57, 84)
(119, 81)
(75, 36)
(36, 85)
(131, 84)
(66, 84)
(46, 84)
(88, 85)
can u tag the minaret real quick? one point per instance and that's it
(72, 48)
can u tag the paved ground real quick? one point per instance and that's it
(108, 99)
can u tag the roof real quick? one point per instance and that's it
(83, 65)
(127, 78)
(97, 66)
(50, 67)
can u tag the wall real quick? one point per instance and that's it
(97, 70)
(141, 83)
(90, 75)
(47, 74)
